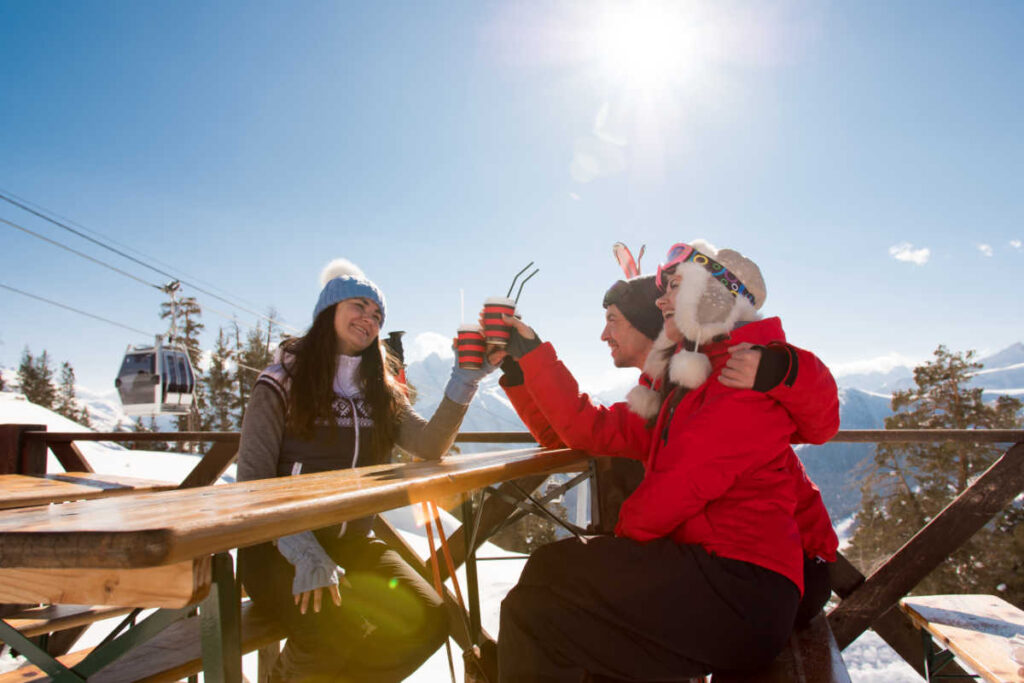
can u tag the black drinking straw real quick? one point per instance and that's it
(513, 285)
(524, 282)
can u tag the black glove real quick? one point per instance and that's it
(512, 373)
(519, 346)
(778, 363)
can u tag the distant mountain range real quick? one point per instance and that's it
(864, 404)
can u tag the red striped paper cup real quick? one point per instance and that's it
(470, 347)
(496, 332)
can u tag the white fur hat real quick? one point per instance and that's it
(720, 288)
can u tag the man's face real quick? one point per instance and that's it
(629, 345)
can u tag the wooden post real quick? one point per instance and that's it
(969, 512)
(212, 465)
(19, 455)
(893, 626)
(70, 457)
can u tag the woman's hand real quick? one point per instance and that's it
(302, 599)
(741, 368)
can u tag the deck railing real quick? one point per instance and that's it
(865, 601)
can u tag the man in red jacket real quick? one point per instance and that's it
(707, 557)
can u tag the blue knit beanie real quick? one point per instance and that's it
(342, 279)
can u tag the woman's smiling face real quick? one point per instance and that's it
(356, 324)
(667, 304)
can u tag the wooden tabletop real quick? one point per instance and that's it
(21, 490)
(152, 529)
(976, 628)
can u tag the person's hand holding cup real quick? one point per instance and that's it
(470, 347)
(496, 330)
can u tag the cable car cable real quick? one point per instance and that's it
(71, 308)
(79, 253)
(101, 319)
(98, 234)
(135, 260)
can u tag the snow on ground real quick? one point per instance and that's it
(869, 659)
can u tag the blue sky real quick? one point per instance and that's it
(442, 146)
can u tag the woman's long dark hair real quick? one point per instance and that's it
(311, 362)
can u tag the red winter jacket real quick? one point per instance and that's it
(720, 471)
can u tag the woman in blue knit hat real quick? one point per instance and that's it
(353, 609)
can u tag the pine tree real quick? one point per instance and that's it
(183, 330)
(142, 428)
(251, 358)
(36, 378)
(909, 483)
(220, 389)
(3, 385)
(67, 404)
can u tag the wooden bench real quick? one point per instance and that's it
(975, 628)
(810, 656)
(176, 590)
(174, 654)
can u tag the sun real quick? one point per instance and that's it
(648, 45)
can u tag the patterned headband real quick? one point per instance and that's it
(684, 253)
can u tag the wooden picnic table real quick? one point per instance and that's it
(151, 529)
(979, 629)
(23, 490)
(154, 549)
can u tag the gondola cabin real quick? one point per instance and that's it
(156, 380)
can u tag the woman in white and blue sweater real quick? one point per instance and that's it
(353, 609)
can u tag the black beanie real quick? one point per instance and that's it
(635, 298)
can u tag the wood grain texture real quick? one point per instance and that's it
(977, 628)
(152, 529)
(20, 490)
(810, 656)
(173, 586)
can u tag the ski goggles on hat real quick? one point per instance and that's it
(684, 253)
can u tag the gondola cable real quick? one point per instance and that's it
(59, 224)
(79, 253)
(96, 317)
(111, 240)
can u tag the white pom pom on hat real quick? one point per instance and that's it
(340, 267)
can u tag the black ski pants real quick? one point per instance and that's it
(622, 610)
(390, 620)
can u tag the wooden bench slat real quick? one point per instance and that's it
(171, 586)
(36, 621)
(22, 490)
(149, 529)
(976, 628)
(810, 656)
(173, 654)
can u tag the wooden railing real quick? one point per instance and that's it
(865, 601)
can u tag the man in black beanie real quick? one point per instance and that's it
(632, 321)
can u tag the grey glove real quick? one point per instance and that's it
(463, 382)
(314, 568)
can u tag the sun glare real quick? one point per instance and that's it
(646, 45)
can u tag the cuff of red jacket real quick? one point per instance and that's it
(537, 358)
